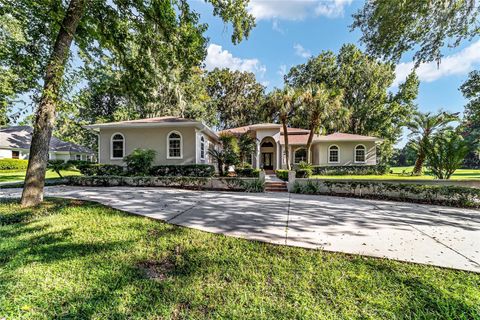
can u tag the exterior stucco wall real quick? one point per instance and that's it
(150, 138)
(346, 153)
(6, 153)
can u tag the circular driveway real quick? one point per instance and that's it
(441, 236)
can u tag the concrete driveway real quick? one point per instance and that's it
(441, 236)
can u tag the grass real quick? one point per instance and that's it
(71, 259)
(402, 173)
(19, 175)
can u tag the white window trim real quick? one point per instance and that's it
(328, 155)
(111, 146)
(202, 141)
(168, 145)
(355, 153)
(295, 151)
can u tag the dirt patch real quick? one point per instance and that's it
(157, 270)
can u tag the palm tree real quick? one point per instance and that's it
(283, 103)
(423, 126)
(325, 111)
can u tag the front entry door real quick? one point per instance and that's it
(267, 160)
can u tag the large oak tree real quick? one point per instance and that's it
(143, 38)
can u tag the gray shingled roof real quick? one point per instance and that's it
(21, 136)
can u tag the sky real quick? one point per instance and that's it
(289, 32)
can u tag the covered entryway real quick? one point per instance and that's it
(268, 154)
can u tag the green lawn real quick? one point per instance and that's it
(397, 174)
(15, 175)
(72, 259)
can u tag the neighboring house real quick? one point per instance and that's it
(175, 140)
(338, 149)
(185, 141)
(15, 144)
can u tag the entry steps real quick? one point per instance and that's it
(276, 186)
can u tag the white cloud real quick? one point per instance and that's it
(332, 9)
(276, 27)
(301, 51)
(296, 9)
(219, 58)
(456, 64)
(282, 70)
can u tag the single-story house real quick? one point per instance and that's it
(15, 144)
(337, 149)
(186, 141)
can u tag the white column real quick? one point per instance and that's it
(277, 156)
(257, 157)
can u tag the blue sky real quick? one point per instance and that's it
(288, 32)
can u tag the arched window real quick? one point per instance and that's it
(174, 145)
(333, 154)
(267, 144)
(300, 155)
(360, 151)
(117, 146)
(202, 148)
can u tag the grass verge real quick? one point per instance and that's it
(74, 259)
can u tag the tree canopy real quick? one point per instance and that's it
(365, 83)
(391, 27)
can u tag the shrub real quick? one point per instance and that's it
(247, 172)
(433, 194)
(378, 169)
(303, 173)
(254, 186)
(304, 165)
(96, 169)
(189, 170)
(78, 163)
(282, 174)
(58, 165)
(139, 162)
(13, 164)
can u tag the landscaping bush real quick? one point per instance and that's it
(13, 164)
(189, 170)
(303, 173)
(282, 174)
(378, 169)
(197, 183)
(96, 169)
(58, 165)
(78, 163)
(140, 161)
(247, 172)
(432, 194)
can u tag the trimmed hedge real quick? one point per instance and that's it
(350, 170)
(303, 173)
(197, 183)
(188, 170)
(247, 172)
(13, 164)
(96, 169)
(432, 194)
(282, 174)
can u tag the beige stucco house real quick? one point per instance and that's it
(338, 149)
(175, 140)
(186, 141)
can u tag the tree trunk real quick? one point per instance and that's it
(417, 170)
(45, 117)
(287, 152)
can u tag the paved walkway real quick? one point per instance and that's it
(441, 236)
